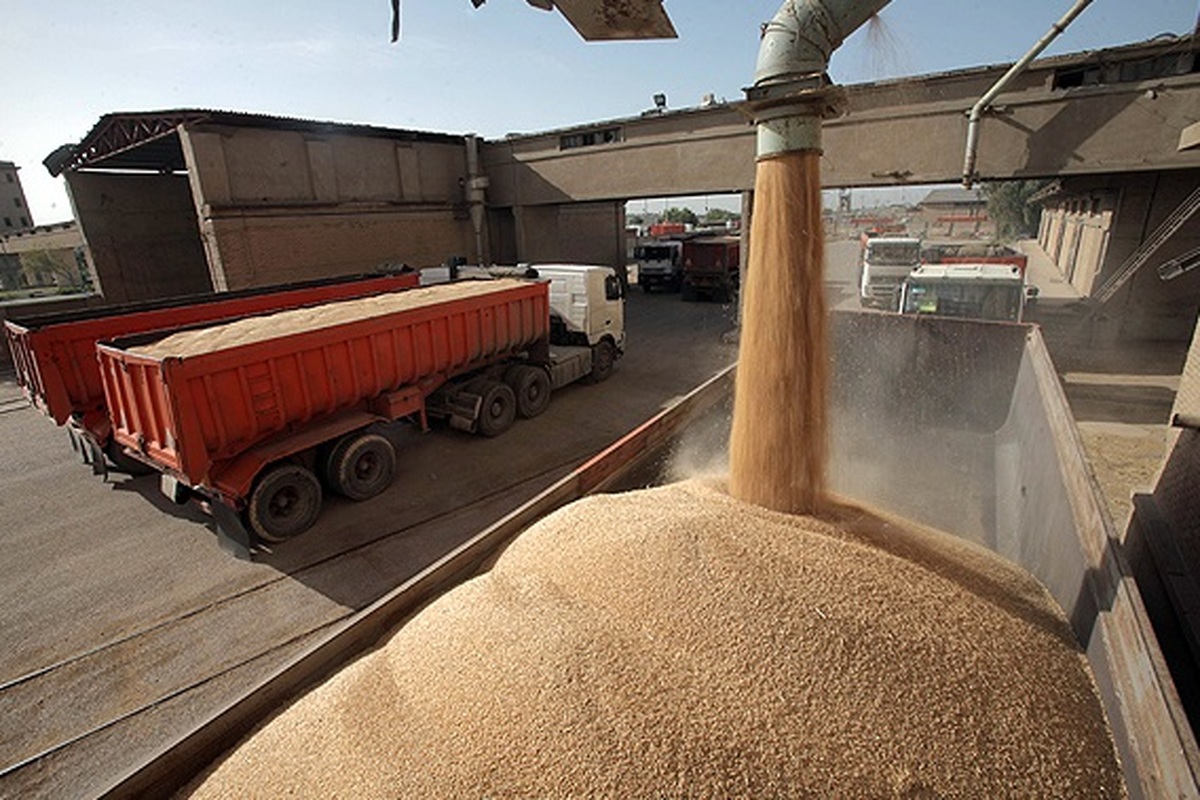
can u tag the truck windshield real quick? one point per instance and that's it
(653, 253)
(974, 301)
(893, 252)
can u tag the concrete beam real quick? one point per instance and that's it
(895, 133)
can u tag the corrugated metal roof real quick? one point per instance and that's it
(149, 140)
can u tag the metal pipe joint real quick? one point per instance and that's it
(791, 92)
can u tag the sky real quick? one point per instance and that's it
(504, 67)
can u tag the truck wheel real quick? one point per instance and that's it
(286, 501)
(361, 466)
(603, 358)
(531, 385)
(498, 409)
(687, 293)
(127, 464)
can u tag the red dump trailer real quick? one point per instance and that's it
(256, 415)
(710, 267)
(55, 354)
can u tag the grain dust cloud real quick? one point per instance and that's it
(778, 443)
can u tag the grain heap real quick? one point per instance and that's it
(675, 642)
(298, 320)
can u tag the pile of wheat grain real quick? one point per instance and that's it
(294, 321)
(675, 642)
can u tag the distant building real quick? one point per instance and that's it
(14, 211)
(953, 214)
(45, 257)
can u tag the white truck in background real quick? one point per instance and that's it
(587, 309)
(660, 265)
(885, 261)
(968, 291)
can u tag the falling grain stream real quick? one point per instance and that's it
(778, 444)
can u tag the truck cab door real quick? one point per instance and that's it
(607, 310)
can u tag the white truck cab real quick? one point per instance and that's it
(588, 302)
(886, 262)
(660, 265)
(972, 291)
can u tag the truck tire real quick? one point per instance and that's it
(531, 386)
(361, 465)
(498, 409)
(125, 463)
(604, 357)
(286, 501)
(687, 293)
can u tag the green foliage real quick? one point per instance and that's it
(1009, 208)
(46, 268)
(718, 216)
(684, 215)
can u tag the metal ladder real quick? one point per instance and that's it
(1147, 248)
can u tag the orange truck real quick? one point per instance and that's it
(259, 416)
(55, 354)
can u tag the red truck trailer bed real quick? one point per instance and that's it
(55, 354)
(214, 405)
(973, 253)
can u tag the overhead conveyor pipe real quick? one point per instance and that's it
(975, 117)
(791, 92)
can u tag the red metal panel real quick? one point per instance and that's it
(56, 360)
(190, 413)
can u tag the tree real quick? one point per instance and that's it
(684, 215)
(58, 268)
(719, 216)
(1009, 207)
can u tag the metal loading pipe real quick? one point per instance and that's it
(791, 92)
(976, 114)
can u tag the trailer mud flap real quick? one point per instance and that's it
(232, 535)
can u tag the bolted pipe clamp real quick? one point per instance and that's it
(788, 116)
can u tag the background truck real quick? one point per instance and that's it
(660, 265)
(55, 354)
(884, 263)
(711, 267)
(259, 416)
(972, 253)
(972, 291)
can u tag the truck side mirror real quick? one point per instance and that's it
(612, 288)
